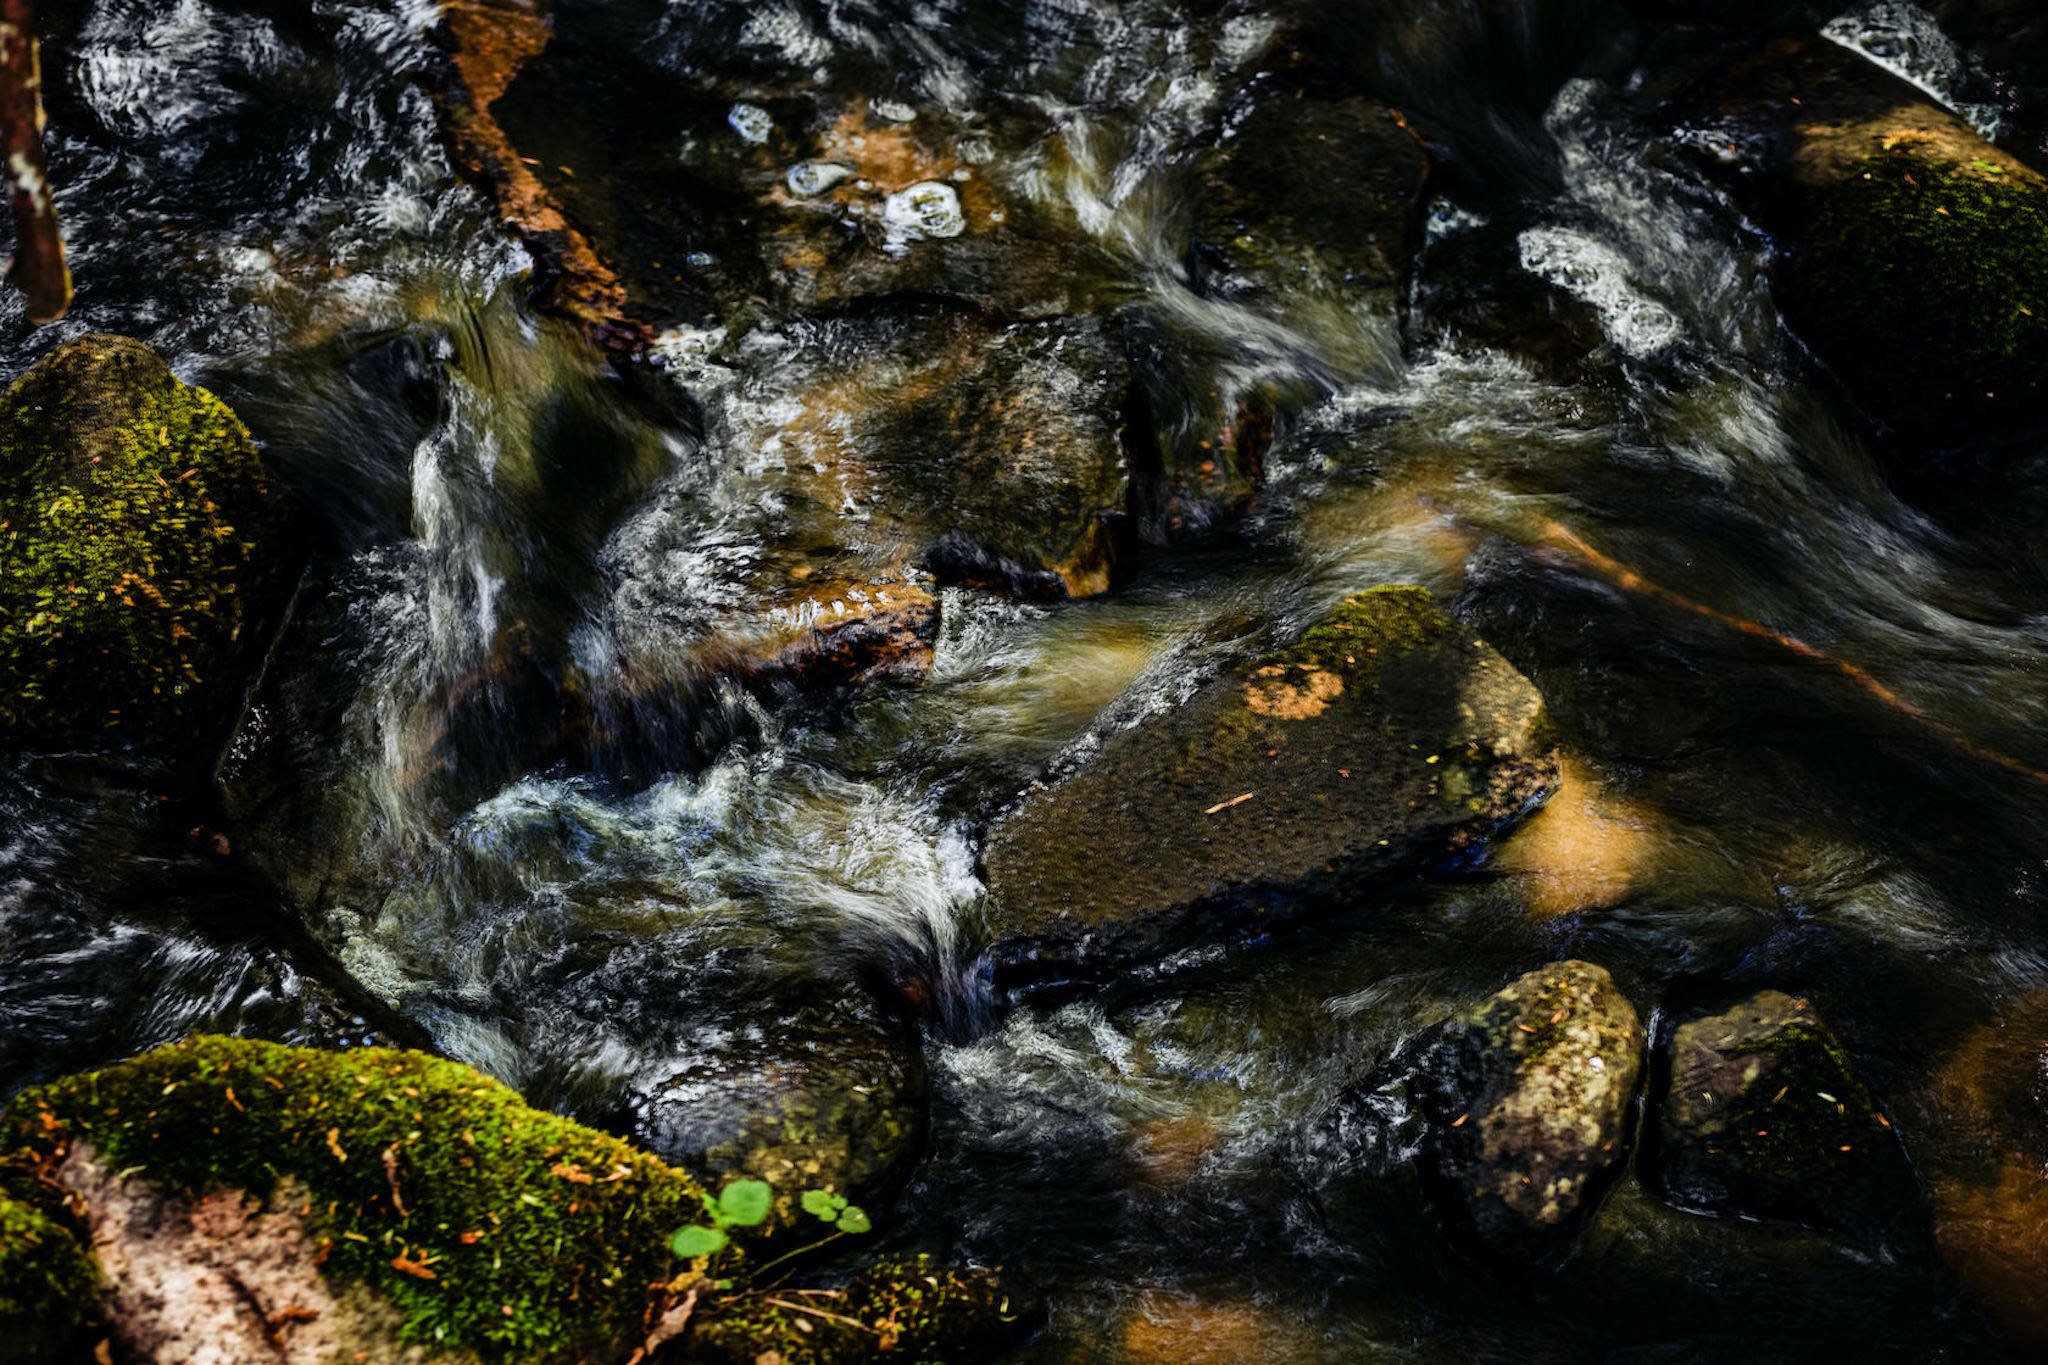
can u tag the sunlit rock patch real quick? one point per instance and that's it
(1387, 739)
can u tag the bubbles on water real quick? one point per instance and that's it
(807, 178)
(751, 122)
(895, 111)
(1601, 276)
(1906, 41)
(927, 209)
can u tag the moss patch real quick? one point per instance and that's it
(46, 1283)
(489, 1224)
(132, 513)
(1935, 275)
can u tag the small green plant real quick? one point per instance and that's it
(741, 1204)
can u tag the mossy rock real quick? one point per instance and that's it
(1913, 254)
(1386, 740)
(47, 1282)
(1764, 1117)
(1526, 1099)
(490, 1226)
(908, 1310)
(135, 517)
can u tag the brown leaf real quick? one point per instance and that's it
(406, 1265)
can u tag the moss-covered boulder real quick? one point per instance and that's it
(47, 1282)
(134, 520)
(1385, 740)
(1913, 254)
(486, 1224)
(248, 1200)
(1764, 1117)
(912, 1310)
(1526, 1099)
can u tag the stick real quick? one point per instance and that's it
(38, 269)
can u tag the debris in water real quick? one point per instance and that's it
(751, 122)
(807, 178)
(1226, 805)
(926, 209)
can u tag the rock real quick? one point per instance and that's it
(1386, 740)
(47, 1283)
(989, 454)
(2010, 39)
(139, 526)
(251, 1201)
(912, 1309)
(1304, 193)
(1913, 254)
(1199, 429)
(820, 1096)
(1474, 285)
(1764, 1117)
(1526, 1100)
(1990, 1185)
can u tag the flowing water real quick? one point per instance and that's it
(496, 522)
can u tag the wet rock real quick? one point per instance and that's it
(1474, 285)
(826, 1097)
(913, 1309)
(989, 453)
(1386, 740)
(1764, 1117)
(1990, 1185)
(1527, 1101)
(138, 547)
(1300, 192)
(1912, 253)
(2010, 39)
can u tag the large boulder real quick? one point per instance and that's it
(1385, 740)
(138, 520)
(1913, 254)
(250, 1201)
(1764, 1117)
(1526, 1102)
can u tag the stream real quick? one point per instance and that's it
(408, 843)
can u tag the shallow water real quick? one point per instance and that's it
(498, 523)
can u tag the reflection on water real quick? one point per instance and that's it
(495, 794)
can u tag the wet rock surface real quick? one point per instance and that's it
(1474, 285)
(1910, 249)
(1388, 739)
(140, 523)
(1527, 1100)
(1763, 1116)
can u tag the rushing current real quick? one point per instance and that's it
(259, 191)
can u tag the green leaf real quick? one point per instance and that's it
(819, 1204)
(744, 1203)
(854, 1219)
(695, 1241)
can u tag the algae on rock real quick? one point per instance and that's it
(134, 512)
(46, 1282)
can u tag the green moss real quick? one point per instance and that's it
(46, 1283)
(1933, 276)
(132, 512)
(911, 1310)
(1805, 1110)
(1368, 628)
(538, 1235)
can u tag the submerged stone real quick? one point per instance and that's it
(1764, 1117)
(1526, 1098)
(1387, 740)
(826, 1097)
(138, 522)
(1913, 254)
